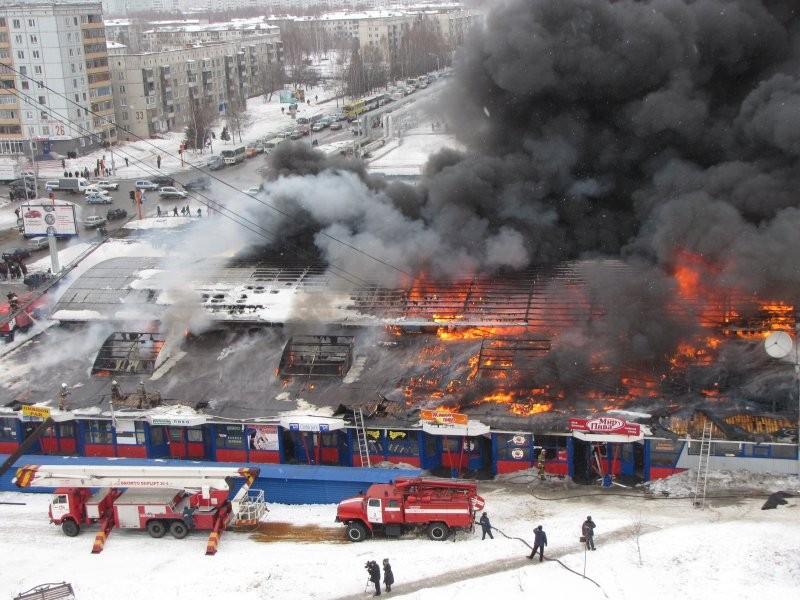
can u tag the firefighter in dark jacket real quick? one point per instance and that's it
(374, 575)
(539, 542)
(587, 530)
(388, 576)
(486, 526)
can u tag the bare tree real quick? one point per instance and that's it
(635, 531)
(237, 118)
(270, 78)
(202, 116)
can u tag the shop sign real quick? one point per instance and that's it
(517, 454)
(443, 418)
(605, 425)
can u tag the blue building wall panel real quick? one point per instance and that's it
(283, 484)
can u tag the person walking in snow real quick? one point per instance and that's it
(158, 210)
(174, 211)
(486, 526)
(539, 543)
(158, 161)
(587, 531)
(388, 576)
(374, 576)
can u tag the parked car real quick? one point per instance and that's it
(99, 199)
(116, 213)
(296, 134)
(252, 191)
(163, 180)
(335, 126)
(107, 184)
(198, 183)
(172, 193)
(250, 152)
(96, 190)
(38, 243)
(93, 221)
(319, 126)
(145, 184)
(16, 252)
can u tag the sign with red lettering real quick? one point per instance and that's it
(443, 418)
(605, 425)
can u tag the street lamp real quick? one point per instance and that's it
(779, 344)
(436, 56)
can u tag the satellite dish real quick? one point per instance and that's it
(778, 344)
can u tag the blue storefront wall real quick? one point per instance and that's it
(282, 484)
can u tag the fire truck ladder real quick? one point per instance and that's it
(361, 433)
(702, 465)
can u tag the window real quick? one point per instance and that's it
(97, 432)
(16, 24)
(194, 434)
(45, 130)
(37, 69)
(20, 54)
(31, 23)
(2, 21)
(43, 116)
(8, 425)
(36, 54)
(41, 99)
(25, 85)
(18, 39)
(34, 39)
(23, 70)
(156, 433)
(122, 89)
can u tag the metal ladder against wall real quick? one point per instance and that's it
(361, 434)
(702, 465)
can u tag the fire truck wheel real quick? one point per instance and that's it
(70, 527)
(356, 532)
(178, 529)
(156, 529)
(438, 531)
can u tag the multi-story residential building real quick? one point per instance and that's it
(156, 92)
(55, 83)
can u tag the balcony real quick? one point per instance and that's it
(147, 76)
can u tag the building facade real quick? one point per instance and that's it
(55, 83)
(157, 92)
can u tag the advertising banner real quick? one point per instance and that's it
(262, 437)
(605, 425)
(46, 217)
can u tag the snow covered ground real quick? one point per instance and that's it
(652, 545)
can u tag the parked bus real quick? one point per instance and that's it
(353, 109)
(233, 156)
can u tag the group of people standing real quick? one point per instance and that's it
(12, 267)
(374, 571)
(540, 537)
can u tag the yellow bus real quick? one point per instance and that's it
(353, 109)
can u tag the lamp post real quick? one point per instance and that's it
(779, 344)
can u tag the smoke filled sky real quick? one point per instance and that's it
(663, 133)
(627, 129)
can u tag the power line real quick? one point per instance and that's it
(239, 219)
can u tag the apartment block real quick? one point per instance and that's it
(55, 83)
(155, 92)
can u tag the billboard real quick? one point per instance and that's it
(48, 217)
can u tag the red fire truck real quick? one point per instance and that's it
(439, 505)
(18, 314)
(156, 499)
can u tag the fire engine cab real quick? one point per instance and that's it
(438, 506)
(156, 499)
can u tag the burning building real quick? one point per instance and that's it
(618, 235)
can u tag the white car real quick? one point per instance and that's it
(95, 190)
(107, 184)
(252, 191)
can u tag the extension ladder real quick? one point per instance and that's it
(361, 434)
(699, 499)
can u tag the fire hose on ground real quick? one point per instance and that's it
(582, 575)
